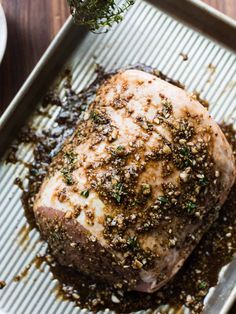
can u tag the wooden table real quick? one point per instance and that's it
(31, 27)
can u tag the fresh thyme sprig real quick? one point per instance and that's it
(96, 14)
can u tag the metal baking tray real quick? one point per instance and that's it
(146, 35)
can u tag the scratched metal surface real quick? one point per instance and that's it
(147, 36)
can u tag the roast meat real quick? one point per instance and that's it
(137, 185)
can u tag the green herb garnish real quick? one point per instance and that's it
(118, 191)
(118, 151)
(70, 156)
(163, 200)
(202, 285)
(98, 118)
(69, 166)
(67, 176)
(190, 206)
(132, 242)
(186, 159)
(203, 181)
(85, 193)
(55, 236)
(184, 151)
(120, 148)
(167, 108)
(98, 13)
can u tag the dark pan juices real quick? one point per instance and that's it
(201, 269)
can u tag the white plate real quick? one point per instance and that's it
(3, 33)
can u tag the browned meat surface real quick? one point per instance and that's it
(137, 185)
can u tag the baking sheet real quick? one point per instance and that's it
(147, 36)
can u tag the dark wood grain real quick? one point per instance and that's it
(226, 6)
(31, 27)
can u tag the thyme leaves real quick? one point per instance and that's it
(96, 14)
(70, 159)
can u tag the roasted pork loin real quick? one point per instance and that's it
(137, 185)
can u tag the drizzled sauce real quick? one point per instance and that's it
(37, 261)
(23, 236)
(200, 271)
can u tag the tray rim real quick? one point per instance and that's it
(202, 20)
(210, 9)
(33, 74)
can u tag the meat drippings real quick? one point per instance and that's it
(200, 271)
